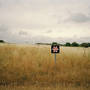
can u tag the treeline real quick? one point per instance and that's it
(68, 44)
(75, 44)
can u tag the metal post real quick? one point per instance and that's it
(55, 58)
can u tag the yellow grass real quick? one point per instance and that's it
(42, 88)
(34, 65)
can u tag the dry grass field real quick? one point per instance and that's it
(32, 67)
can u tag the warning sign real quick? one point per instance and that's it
(55, 48)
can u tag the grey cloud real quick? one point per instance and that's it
(84, 39)
(31, 4)
(3, 28)
(5, 35)
(49, 31)
(79, 18)
(6, 2)
(23, 33)
(0, 5)
(34, 39)
(72, 39)
(45, 39)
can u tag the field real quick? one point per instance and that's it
(32, 67)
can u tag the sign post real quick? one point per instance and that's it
(55, 49)
(55, 58)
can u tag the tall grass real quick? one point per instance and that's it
(24, 64)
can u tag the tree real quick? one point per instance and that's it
(55, 43)
(2, 41)
(86, 45)
(75, 44)
(67, 44)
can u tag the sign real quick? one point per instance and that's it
(55, 48)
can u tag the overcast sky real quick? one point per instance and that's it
(31, 21)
